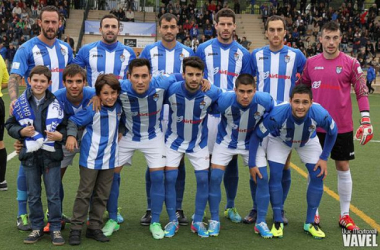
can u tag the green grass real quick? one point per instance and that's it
(365, 171)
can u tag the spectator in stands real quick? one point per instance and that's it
(10, 55)
(187, 25)
(26, 32)
(202, 39)
(371, 75)
(121, 14)
(130, 15)
(194, 44)
(237, 6)
(310, 51)
(187, 42)
(208, 32)
(245, 43)
(344, 43)
(17, 10)
(194, 32)
(3, 50)
(3, 26)
(211, 7)
(70, 41)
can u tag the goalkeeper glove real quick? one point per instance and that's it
(365, 131)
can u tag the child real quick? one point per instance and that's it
(98, 158)
(38, 121)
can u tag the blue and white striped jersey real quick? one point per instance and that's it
(165, 61)
(100, 58)
(69, 108)
(142, 112)
(187, 128)
(224, 62)
(99, 146)
(34, 52)
(276, 71)
(238, 122)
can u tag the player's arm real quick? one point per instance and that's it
(305, 78)
(246, 67)
(253, 63)
(13, 83)
(80, 58)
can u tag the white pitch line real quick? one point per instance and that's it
(11, 155)
(369, 141)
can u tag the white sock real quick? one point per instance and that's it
(345, 191)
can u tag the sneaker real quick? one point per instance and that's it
(314, 230)
(232, 214)
(182, 219)
(34, 236)
(347, 223)
(145, 220)
(75, 237)
(277, 230)
(213, 228)
(3, 186)
(317, 219)
(156, 230)
(23, 223)
(97, 235)
(200, 228)
(120, 218)
(110, 227)
(56, 238)
(263, 230)
(251, 217)
(66, 219)
(284, 219)
(171, 229)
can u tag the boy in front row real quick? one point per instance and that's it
(38, 120)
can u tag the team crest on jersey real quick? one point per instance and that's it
(339, 69)
(202, 105)
(216, 70)
(311, 128)
(155, 97)
(257, 115)
(235, 126)
(181, 56)
(236, 56)
(122, 58)
(63, 51)
(287, 59)
(135, 113)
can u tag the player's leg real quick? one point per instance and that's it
(147, 217)
(180, 190)
(231, 181)
(286, 181)
(3, 150)
(22, 196)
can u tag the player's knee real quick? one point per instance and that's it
(171, 176)
(202, 177)
(216, 176)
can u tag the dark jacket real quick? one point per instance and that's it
(51, 159)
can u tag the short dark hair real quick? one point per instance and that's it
(72, 70)
(168, 17)
(245, 79)
(107, 79)
(49, 8)
(41, 70)
(112, 16)
(193, 61)
(275, 18)
(331, 26)
(139, 62)
(302, 89)
(225, 12)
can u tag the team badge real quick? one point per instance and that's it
(202, 105)
(257, 115)
(236, 56)
(181, 56)
(122, 58)
(339, 69)
(135, 113)
(287, 59)
(311, 128)
(235, 126)
(63, 51)
(155, 97)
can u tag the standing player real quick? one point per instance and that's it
(166, 57)
(275, 67)
(4, 76)
(331, 74)
(240, 113)
(225, 59)
(187, 134)
(107, 56)
(47, 50)
(295, 125)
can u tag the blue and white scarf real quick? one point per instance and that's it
(25, 116)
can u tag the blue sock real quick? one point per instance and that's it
(180, 184)
(275, 189)
(314, 192)
(22, 195)
(253, 188)
(61, 195)
(286, 181)
(231, 180)
(114, 196)
(215, 194)
(170, 193)
(202, 194)
(147, 188)
(262, 194)
(157, 194)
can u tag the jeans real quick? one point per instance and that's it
(52, 181)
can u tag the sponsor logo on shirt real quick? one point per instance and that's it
(277, 76)
(38, 53)
(263, 58)
(158, 55)
(146, 114)
(319, 68)
(56, 70)
(15, 65)
(94, 55)
(212, 54)
(189, 121)
(226, 72)
(316, 84)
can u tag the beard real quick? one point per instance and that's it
(49, 36)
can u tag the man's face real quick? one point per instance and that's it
(74, 85)
(49, 24)
(140, 78)
(275, 33)
(193, 78)
(330, 41)
(244, 94)
(109, 30)
(169, 30)
(301, 104)
(225, 28)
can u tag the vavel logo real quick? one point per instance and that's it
(360, 238)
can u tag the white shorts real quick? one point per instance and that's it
(153, 150)
(212, 126)
(223, 155)
(278, 151)
(68, 157)
(200, 159)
